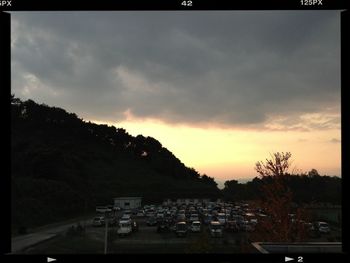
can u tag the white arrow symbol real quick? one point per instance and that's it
(286, 259)
(51, 259)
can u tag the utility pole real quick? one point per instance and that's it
(106, 232)
(225, 211)
(85, 208)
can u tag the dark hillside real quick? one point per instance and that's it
(62, 166)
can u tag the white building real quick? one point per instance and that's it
(127, 202)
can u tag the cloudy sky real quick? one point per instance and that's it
(220, 89)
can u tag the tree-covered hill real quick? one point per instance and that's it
(307, 188)
(62, 166)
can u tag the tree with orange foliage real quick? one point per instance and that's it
(284, 222)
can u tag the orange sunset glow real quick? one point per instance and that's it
(227, 154)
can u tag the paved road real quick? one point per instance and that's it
(21, 242)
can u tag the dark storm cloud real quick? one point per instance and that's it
(228, 68)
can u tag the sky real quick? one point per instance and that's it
(220, 89)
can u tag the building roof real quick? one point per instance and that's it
(298, 247)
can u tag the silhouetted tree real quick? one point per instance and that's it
(232, 190)
(313, 173)
(208, 179)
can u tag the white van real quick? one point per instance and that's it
(125, 228)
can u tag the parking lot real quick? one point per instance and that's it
(157, 231)
(148, 239)
(237, 223)
(161, 233)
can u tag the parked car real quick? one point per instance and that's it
(222, 218)
(240, 222)
(168, 214)
(116, 208)
(150, 214)
(127, 212)
(323, 227)
(248, 227)
(160, 215)
(182, 212)
(181, 217)
(207, 219)
(310, 228)
(112, 221)
(215, 229)
(134, 212)
(231, 226)
(140, 214)
(196, 226)
(151, 221)
(98, 221)
(254, 221)
(126, 217)
(162, 226)
(193, 217)
(181, 229)
(102, 209)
